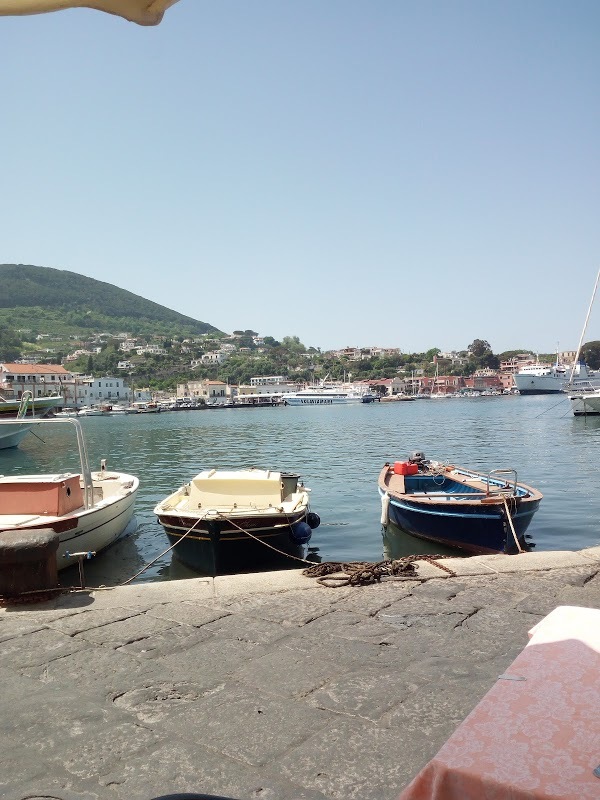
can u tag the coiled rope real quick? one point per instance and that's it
(363, 573)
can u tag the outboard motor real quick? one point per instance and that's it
(417, 457)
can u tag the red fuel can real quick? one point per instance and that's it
(405, 468)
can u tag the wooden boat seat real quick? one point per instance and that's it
(254, 490)
(396, 483)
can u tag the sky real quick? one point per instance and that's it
(392, 173)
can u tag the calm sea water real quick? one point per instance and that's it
(339, 451)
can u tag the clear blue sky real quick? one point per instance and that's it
(408, 174)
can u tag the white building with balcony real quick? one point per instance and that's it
(101, 391)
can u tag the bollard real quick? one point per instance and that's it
(28, 561)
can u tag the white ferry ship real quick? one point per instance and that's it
(553, 378)
(322, 396)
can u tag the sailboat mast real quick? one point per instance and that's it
(585, 324)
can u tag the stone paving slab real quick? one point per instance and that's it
(189, 766)
(266, 686)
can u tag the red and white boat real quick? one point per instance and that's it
(89, 510)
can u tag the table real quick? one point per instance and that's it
(536, 733)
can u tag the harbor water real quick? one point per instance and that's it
(339, 452)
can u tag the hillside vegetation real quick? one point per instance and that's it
(63, 302)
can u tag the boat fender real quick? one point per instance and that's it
(301, 532)
(314, 520)
(385, 508)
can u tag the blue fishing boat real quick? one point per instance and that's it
(473, 511)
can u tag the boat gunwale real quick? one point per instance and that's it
(385, 476)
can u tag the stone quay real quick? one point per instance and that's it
(267, 686)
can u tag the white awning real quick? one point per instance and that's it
(144, 12)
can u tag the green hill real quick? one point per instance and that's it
(65, 302)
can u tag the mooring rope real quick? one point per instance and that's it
(266, 544)
(160, 555)
(357, 573)
(512, 527)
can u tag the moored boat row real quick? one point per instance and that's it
(224, 521)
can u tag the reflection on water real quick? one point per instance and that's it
(339, 451)
(398, 543)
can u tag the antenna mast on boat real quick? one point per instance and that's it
(585, 324)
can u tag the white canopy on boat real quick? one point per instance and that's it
(144, 12)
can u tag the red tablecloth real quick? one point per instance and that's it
(536, 734)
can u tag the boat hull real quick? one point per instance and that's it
(539, 384)
(11, 435)
(216, 547)
(585, 405)
(540, 391)
(479, 530)
(38, 407)
(461, 509)
(323, 400)
(95, 530)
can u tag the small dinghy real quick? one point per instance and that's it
(238, 521)
(473, 511)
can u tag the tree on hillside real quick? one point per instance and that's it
(590, 353)
(293, 344)
(479, 348)
(10, 344)
(489, 360)
(481, 355)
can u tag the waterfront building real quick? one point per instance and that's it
(39, 379)
(268, 384)
(442, 384)
(388, 386)
(484, 379)
(91, 391)
(210, 391)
